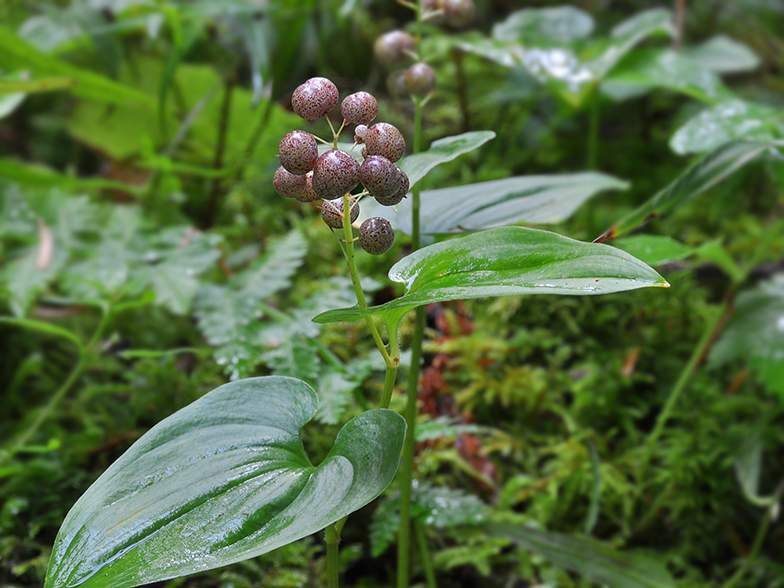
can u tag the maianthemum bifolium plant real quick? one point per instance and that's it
(227, 478)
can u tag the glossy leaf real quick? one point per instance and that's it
(503, 262)
(755, 334)
(591, 559)
(17, 54)
(725, 122)
(653, 249)
(652, 68)
(222, 480)
(485, 205)
(723, 55)
(441, 151)
(560, 24)
(698, 178)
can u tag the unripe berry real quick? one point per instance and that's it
(359, 133)
(400, 193)
(376, 235)
(385, 140)
(314, 98)
(458, 12)
(394, 47)
(287, 184)
(420, 79)
(379, 177)
(309, 194)
(396, 84)
(359, 108)
(335, 174)
(298, 152)
(332, 212)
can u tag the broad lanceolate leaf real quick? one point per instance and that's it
(502, 262)
(220, 481)
(589, 558)
(725, 122)
(486, 205)
(441, 151)
(701, 176)
(645, 69)
(723, 55)
(561, 24)
(756, 334)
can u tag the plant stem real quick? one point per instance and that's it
(427, 565)
(333, 551)
(758, 540)
(407, 465)
(391, 373)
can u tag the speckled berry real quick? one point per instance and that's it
(420, 79)
(396, 84)
(458, 12)
(394, 47)
(385, 140)
(360, 133)
(400, 193)
(287, 184)
(314, 98)
(332, 212)
(379, 177)
(309, 194)
(359, 108)
(376, 235)
(298, 152)
(335, 174)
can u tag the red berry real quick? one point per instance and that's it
(359, 108)
(420, 79)
(314, 98)
(458, 12)
(400, 193)
(376, 235)
(379, 177)
(309, 194)
(394, 47)
(332, 212)
(385, 140)
(298, 152)
(287, 184)
(335, 174)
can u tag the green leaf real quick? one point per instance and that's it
(755, 334)
(560, 24)
(42, 327)
(503, 262)
(654, 249)
(220, 481)
(704, 174)
(644, 69)
(486, 205)
(591, 559)
(16, 53)
(726, 122)
(41, 176)
(441, 151)
(39, 85)
(723, 55)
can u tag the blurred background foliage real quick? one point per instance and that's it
(146, 259)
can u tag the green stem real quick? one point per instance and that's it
(755, 548)
(424, 552)
(391, 373)
(333, 552)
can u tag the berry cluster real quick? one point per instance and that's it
(398, 47)
(308, 177)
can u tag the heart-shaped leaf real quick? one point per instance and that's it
(706, 173)
(487, 205)
(222, 480)
(502, 262)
